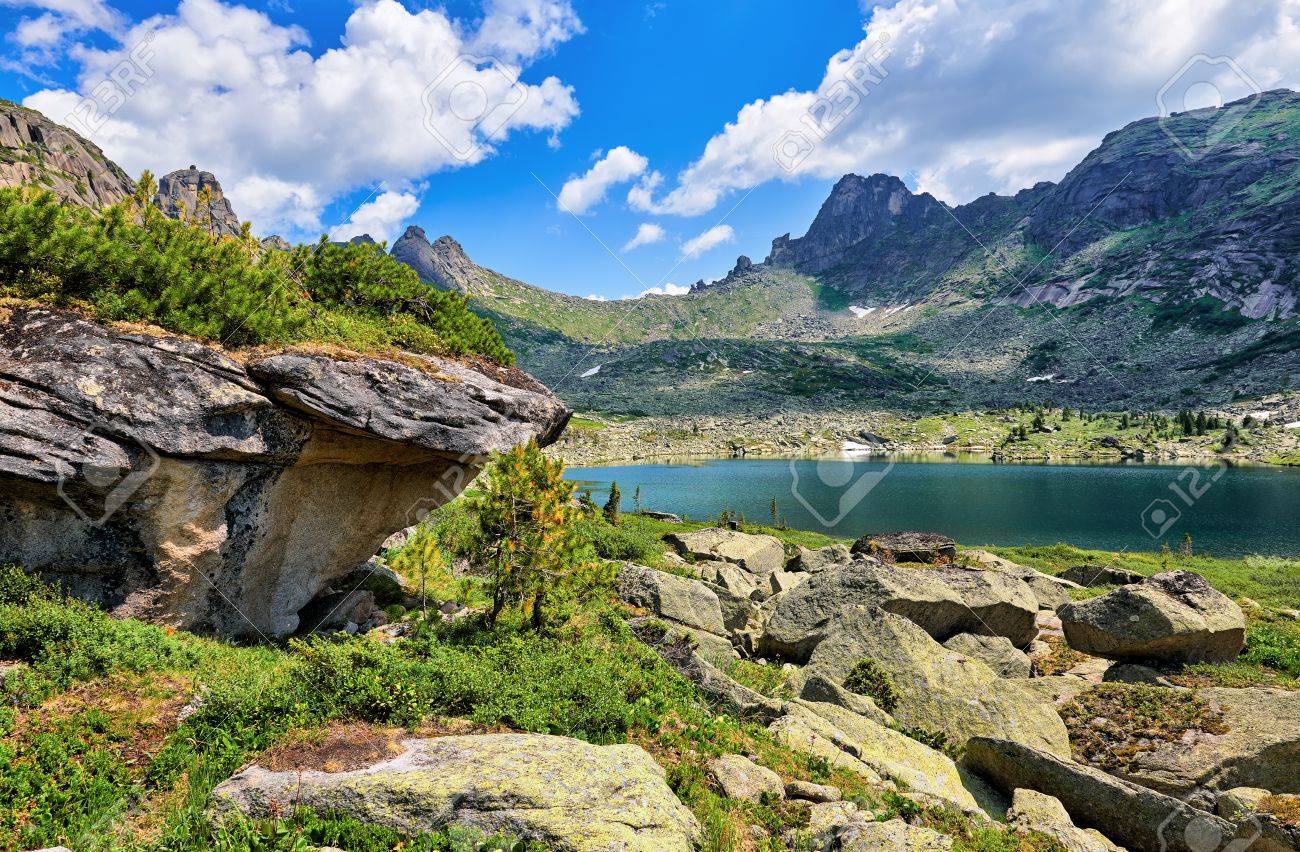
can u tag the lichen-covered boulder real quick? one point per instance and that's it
(896, 835)
(943, 601)
(996, 652)
(937, 689)
(1175, 616)
(172, 482)
(561, 792)
(757, 554)
(1051, 591)
(1100, 575)
(743, 779)
(678, 599)
(1034, 811)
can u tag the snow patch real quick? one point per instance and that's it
(1294, 424)
(593, 371)
(859, 311)
(1047, 378)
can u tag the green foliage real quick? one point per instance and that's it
(528, 535)
(1275, 647)
(64, 641)
(769, 679)
(131, 262)
(612, 504)
(869, 679)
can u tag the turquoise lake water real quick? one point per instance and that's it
(1228, 510)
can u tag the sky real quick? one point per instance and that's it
(605, 148)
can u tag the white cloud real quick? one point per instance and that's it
(242, 97)
(40, 39)
(646, 234)
(669, 289)
(380, 217)
(980, 97)
(712, 238)
(517, 30)
(82, 14)
(620, 165)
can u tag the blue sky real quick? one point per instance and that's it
(308, 111)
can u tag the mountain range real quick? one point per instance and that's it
(1160, 272)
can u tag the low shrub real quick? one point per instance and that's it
(869, 679)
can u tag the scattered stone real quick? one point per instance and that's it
(1238, 802)
(376, 577)
(996, 652)
(562, 792)
(1100, 575)
(810, 792)
(937, 689)
(825, 819)
(741, 778)
(757, 554)
(784, 581)
(813, 561)
(336, 610)
(1130, 814)
(1034, 811)
(930, 548)
(1136, 673)
(668, 517)
(1175, 616)
(896, 834)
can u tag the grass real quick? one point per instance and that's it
(869, 679)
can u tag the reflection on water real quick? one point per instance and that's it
(1243, 509)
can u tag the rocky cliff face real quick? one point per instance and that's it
(36, 151)
(175, 482)
(178, 193)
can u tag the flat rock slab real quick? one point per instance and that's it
(562, 792)
(925, 547)
(1172, 617)
(757, 554)
(683, 600)
(743, 779)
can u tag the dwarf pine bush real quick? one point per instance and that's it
(131, 262)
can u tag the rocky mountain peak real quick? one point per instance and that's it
(178, 193)
(442, 263)
(36, 151)
(857, 209)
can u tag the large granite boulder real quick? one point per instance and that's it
(996, 652)
(679, 599)
(1100, 575)
(943, 601)
(175, 483)
(1051, 591)
(852, 741)
(937, 689)
(1129, 814)
(743, 779)
(563, 793)
(757, 554)
(1175, 616)
(35, 151)
(930, 548)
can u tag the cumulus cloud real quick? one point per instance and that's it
(669, 289)
(646, 234)
(380, 217)
(979, 97)
(40, 39)
(712, 238)
(620, 165)
(288, 130)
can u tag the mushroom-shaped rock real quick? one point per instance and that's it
(171, 482)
